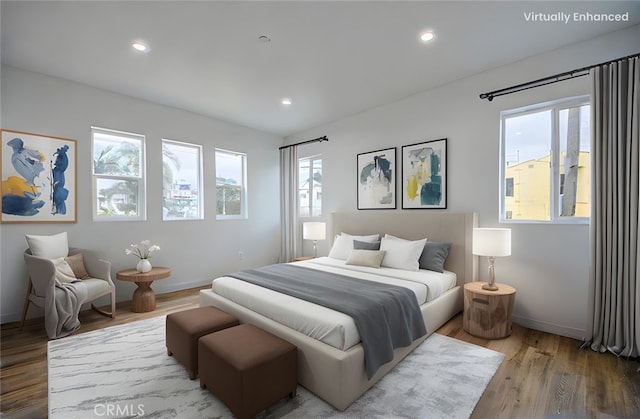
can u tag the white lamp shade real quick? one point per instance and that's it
(314, 231)
(491, 241)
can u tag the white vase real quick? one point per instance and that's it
(143, 266)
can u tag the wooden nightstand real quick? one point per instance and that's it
(487, 314)
(301, 258)
(144, 299)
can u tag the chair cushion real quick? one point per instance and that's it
(50, 247)
(76, 262)
(96, 288)
(64, 273)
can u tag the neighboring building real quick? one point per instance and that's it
(528, 184)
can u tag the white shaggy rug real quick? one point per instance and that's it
(124, 371)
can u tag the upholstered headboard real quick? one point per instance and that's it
(454, 228)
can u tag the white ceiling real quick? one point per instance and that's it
(333, 59)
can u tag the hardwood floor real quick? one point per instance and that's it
(545, 375)
(542, 376)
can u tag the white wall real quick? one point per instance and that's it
(549, 263)
(196, 251)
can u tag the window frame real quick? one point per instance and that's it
(200, 188)
(244, 210)
(311, 159)
(141, 179)
(555, 107)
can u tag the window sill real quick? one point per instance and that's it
(575, 221)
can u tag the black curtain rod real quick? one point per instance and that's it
(579, 72)
(315, 140)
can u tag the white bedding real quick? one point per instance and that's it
(324, 324)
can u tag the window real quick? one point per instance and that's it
(545, 168)
(231, 184)
(310, 186)
(181, 181)
(508, 186)
(118, 175)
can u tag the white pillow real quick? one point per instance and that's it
(64, 273)
(343, 244)
(50, 247)
(402, 254)
(360, 257)
(389, 236)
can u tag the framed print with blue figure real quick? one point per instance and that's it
(38, 178)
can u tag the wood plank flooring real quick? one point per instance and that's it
(542, 376)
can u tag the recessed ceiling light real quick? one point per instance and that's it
(286, 101)
(427, 36)
(140, 46)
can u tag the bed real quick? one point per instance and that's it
(333, 373)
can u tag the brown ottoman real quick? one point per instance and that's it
(184, 328)
(247, 368)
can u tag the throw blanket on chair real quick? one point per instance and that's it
(387, 316)
(62, 305)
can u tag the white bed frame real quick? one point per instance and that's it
(339, 376)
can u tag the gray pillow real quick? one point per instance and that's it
(359, 245)
(434, 255)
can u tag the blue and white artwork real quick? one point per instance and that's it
(377, 179)
(424, 175)
(38, 178)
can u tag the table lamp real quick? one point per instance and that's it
(491, 242)
(314, 231)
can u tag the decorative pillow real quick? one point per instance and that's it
(343, 244)
(64, 273)
(76, 262)
(357, 244)
(434, 256)
(50, 247)
(370, 258)
(368, 238)
(389, 236)
(402, 254)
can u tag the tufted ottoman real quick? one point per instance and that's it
(247, 368)
(184, 328)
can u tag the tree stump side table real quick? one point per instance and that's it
(487, 314)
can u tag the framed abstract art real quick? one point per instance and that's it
(38, 178)
(377, 179)
(424, 175)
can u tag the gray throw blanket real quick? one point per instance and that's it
(62, 305)
(387, 316)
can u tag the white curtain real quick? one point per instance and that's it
(288, 203)
(614, 320)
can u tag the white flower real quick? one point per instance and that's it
(142, 250)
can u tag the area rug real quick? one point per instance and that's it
(124, 371)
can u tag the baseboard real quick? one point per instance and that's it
(169, 287)
(10, 318)
(556, 329)
(15, 317)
